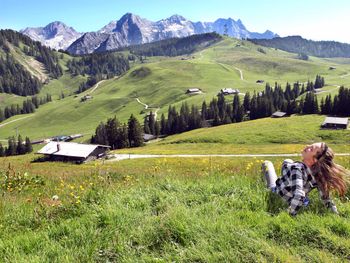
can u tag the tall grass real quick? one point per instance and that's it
(203, 210)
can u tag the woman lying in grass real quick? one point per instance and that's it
(317, 170)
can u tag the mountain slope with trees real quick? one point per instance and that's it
(176, 46)
(299, 45)
(14, 77)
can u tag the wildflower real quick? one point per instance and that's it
(55, 198)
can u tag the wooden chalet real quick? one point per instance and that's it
(335, 123)
(75, 152)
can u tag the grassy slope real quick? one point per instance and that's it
(269, 135)
(211, 70)
(163, 210)
(66, 83)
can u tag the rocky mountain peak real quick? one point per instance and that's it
(176, 19)
(131, 29)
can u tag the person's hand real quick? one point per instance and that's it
(334, 209)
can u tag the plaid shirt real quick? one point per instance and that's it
(296, 182)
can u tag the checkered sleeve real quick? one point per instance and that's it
(297, 189)
(327, 201)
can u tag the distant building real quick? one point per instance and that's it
(147, 137)
(331, 68)
(335, 123)
(86, 97)
(279, 114)
(260, 81)
(70, 151)
(194, 91)
(60, 138)
(229, 91)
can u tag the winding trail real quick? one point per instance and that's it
(120, 157)
(240, 72)
(147, 107)
(2, 125)
(96, 85)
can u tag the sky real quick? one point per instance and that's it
(312, 19)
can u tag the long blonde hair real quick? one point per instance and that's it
(328, 174)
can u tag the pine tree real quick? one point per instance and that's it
(11, 149)
(146, 128)
(134, 132)
(123, 140)
(2, 115)
(111, 128)
(151, 123)
(101, 134)
(246, 102)
(20, 146)
(28, 146)
(204, 113)
(156, 129)
(2, 150)
(163, 125)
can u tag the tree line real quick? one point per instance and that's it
(18, 147)
(219, 111)
(14, 78)
(303, 47)
(98, 66)
(258, 105)
(175, 46)
(28, 106)
(118, 135)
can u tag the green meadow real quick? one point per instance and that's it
(210, 69)
(160, 210)
(262, 136)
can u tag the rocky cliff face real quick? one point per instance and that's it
(56, 35)
(131, 29)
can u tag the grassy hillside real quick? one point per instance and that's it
(211, 69)
(160, 210)
(269, 135)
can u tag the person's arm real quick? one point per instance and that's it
(298, 191)
(327, 201)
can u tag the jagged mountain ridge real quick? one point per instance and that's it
(131, 29)
(56, 35)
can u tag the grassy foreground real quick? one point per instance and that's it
(159, 210)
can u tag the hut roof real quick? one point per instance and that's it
(70, 149)
(336, 120)
(279, 114)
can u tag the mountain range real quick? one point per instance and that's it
(131, 29)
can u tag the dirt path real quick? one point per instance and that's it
(96, 85)
(2, 125)
(100, 82)
(147, 107)
(120, 157)
(240, 72)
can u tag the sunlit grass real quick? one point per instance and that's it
(206, 209)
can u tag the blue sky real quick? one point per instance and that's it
(312, 19)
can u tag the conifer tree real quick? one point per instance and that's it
(2, 115)
(28, 145)
(151, 123)
(2, 150)
(134, 132)
(123, 140)
(163, 125)
(204, 114)
(11, 149)
(146, 128)
(20, 146)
